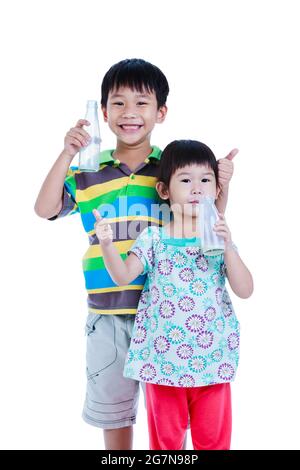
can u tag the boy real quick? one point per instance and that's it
(134, 94)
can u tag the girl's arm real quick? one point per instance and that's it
(238, 274)
(121, 272)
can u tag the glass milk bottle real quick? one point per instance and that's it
(89, 156)
(211, 243)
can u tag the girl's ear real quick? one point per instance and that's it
(162, 190)
(104, 111)
(218, 190)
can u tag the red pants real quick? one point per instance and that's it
(209, 409)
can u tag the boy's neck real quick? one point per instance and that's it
(132, 155)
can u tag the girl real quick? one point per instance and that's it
(186, 336)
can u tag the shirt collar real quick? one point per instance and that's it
(107, 158)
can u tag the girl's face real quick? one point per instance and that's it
(187, 186)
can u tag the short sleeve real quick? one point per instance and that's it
(69, 204)
(143, 248)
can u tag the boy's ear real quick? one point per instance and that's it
(161, 114)
(218, 190)
(104, 111)
(162, 190)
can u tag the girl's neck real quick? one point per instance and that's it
(179, 228)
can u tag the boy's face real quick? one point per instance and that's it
(131, 115)
(187, 186)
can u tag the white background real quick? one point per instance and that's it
(233, 70)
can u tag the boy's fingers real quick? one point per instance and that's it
(97, 215)
(82, 122)
(232, 154)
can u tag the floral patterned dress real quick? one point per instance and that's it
(186, 333)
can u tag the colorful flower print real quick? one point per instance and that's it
(208, 379)
(197, 364)
(169, 290)
(227, 310)
(205, 339)
(225, 371)
(233, 341)
(139, 335)
(166, 382)
(186, 381)
(147, 373)
(202, 263)
(219, 324)
(186, 275)
(145, 297)
(144, 354)
(210, 314)
(179, 259)
(165, 267)
(195, 323)
(218, 294)
(185, 351)
(176, 334)
(150, 254)
(154, 294)
(198, 287)
(161, 345)
(166, 309)
(217, 355)
(186, 303)
(167, 368)
(153, 325)
(192, 250)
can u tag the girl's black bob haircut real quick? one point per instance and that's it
(180, 153)
(136, 74)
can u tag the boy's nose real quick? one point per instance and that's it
(129, 114)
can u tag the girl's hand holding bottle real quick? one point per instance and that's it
(222, 230)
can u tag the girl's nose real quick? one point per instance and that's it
(197, 191)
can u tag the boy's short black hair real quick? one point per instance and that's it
(138, 75)
(180, 153)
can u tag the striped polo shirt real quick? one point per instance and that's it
(129, 202)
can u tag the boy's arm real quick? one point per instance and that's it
(49, 200)
(121, 272)
(225, 172)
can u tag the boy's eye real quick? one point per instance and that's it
(118, 103)
(186, 180)
(205, 180)
(140, 103)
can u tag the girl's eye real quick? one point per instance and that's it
(140, 103)
(186, 180)
(205, 180)
(118, 103)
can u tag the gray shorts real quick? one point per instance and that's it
(111, 399)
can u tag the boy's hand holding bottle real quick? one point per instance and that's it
(76, 138)
(103, 229)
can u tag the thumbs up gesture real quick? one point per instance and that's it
(103, 229)
(225, 169)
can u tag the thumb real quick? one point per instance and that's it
(97, 214)
(232, 154)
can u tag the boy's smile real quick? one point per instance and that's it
(131, 114)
